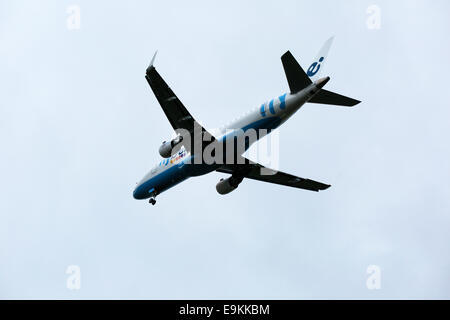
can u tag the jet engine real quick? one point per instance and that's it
(225, 186)
(165, 150)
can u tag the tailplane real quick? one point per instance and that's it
(296, 77)
(328, 97)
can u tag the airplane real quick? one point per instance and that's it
(183, 155)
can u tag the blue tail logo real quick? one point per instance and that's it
(314, 68)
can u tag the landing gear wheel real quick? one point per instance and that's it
(152, 201)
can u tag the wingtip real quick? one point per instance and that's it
(355, 102)
(287, 53)
(152, 61)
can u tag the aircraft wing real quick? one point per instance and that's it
(175, 111)
(177, 114)
(255, 171)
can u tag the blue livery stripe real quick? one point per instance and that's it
(282, 101)
(263, 110)
(271, 108)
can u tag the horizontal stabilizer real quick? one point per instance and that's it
(328, 97)
(296, 76)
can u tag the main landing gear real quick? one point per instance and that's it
(152, 201)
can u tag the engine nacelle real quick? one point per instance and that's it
(225, 186)
(165, 150)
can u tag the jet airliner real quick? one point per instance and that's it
(183, 156)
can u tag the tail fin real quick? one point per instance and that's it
(325, 96)
(296, 77)
(316, 67)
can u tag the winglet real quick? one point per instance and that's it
(151, 62)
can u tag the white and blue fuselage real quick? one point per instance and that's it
(180, 166)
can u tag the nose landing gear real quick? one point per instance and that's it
(152, 201)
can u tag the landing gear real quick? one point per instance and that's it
(152, 201)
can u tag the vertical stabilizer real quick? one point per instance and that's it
(317, 65)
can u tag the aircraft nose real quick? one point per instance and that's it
(136, 193)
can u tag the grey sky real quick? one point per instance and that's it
(79, 126)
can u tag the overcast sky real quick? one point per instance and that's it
(79, 126)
